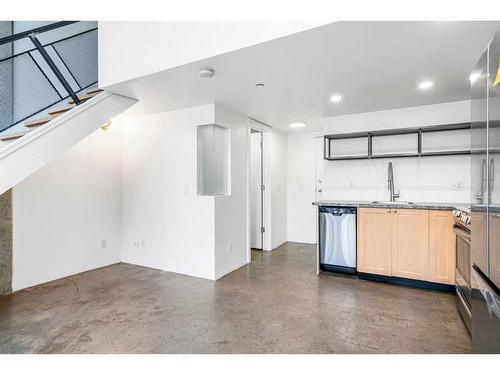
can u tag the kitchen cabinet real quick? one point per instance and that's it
(441, 247)
(407, 243)
(495, 244)
(410, 251)
(375, 237)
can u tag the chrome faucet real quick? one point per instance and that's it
(390, 181)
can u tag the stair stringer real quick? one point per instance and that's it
(24, 156)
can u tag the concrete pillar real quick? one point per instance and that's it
(6, 243)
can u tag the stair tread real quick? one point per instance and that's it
(61, 109)
(91, 91)
(40, 121)
(12, 136)
(85, 97)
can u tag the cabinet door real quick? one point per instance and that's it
(441, 247)
(375, 240)
(495, 247)
(410, 252)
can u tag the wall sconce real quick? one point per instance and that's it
(106, 125)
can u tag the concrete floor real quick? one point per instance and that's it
(276, 304)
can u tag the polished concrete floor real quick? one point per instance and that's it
(276, 304)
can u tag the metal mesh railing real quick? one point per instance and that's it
(79, 55)
(24, 90)
(39, 78)
(6, 93)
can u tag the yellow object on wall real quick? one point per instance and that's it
(497, 79)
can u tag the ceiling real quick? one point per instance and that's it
(373, 65)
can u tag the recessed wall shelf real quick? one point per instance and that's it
(416, 149)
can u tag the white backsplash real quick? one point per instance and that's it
(429, 179)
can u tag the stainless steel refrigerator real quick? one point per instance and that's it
(485, 207)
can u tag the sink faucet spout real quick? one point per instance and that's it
(390, 182)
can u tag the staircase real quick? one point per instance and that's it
(30, 125)
(32, 150)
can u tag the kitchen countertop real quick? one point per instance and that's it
(381, 204)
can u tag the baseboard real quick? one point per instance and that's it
(419, 284)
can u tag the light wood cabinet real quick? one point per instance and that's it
(495, 247)
(410, 251)
(409, 243)
(375, 237)
(441, 247)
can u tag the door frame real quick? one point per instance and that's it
(261, 167)
(265, 130)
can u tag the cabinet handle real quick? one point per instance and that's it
(388, 211)
(395, 211)
(492, 174)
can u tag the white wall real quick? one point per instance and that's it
(278, 188)
(135, 187)
(231, 211)
(425, 115)
(174, 228)
(432, 179)
(301, 217)
(132, 49)
(63, 211)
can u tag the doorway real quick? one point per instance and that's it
(256, 190)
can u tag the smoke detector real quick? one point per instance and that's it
(206, 73)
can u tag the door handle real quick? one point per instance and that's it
(461, 233)
(492, 174)
(480, 194)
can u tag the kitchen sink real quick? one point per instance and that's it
(398, 203)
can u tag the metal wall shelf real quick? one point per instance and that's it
(327, 140)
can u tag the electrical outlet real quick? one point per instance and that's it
(457, 186)
(136, 243)
(103, 244)
(230, 247)
(143, 243)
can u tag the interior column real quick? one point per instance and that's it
(6, 243)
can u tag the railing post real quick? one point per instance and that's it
(54, 68)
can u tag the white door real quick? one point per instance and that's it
(256, 190)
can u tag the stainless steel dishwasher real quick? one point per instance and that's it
(337, 239)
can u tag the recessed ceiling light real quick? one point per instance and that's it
(297, 124)
(335, 98)
(425, 85)
(260, 85)
(474, 76)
